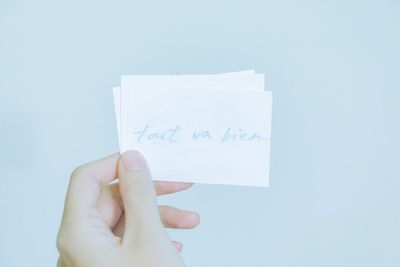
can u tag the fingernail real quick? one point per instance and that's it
(133, 161)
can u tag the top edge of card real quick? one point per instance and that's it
(230, 81)
(248, 72)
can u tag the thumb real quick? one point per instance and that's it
(138, 196)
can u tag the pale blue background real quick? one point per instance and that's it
(333, 67)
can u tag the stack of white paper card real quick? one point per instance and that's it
(213, 129)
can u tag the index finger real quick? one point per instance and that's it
(87, 181)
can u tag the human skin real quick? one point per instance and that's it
(120, 224)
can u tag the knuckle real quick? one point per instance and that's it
(67, 239)
(77, 172)
(62, 242)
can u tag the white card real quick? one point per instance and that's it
(246, 80)
(212, 136)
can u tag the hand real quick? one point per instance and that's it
(119, 224)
